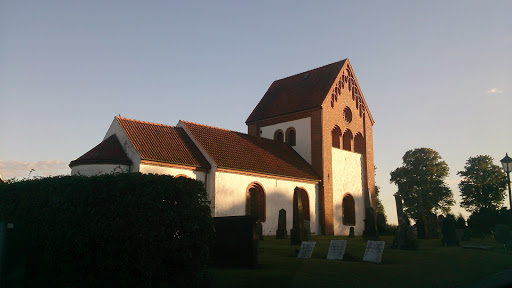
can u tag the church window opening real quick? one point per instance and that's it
(279, 136)
(359, 145)
(347, 140)
(349, 210)
(347, 115)
(255, 202)
(181, 175)
(291, 136)
(336, 137)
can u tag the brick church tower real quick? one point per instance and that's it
(323, 115)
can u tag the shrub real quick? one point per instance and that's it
(501, 233)
(128, 230)
(483, 221)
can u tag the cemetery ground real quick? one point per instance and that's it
(430, 266)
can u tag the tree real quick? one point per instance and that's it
(421, 184)
(378, 202)
(382, 220)
(483, 184)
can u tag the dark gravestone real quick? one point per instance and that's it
(433, 228)
(381, 223)
(440, 220)
(404, 237)
(460, 234)
(370, 227)
(307, 226)
(298, 232)
(420, 227)
(502, 233)
(236, 242)
(351, 234)
(467, 234)
(281, 232)
(449, 233)
(259, 230)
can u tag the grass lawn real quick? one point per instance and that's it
(430, 266)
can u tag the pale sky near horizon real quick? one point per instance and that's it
(434, 74)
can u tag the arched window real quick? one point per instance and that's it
(347, 140)
(336, 137)
(278, 135)
(359, 145)
(305, 204)
(181, 175)
(255, 202)
(349, 210)
(290, 136)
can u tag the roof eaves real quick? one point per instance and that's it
(316, 180)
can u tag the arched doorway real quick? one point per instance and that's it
(349, 210)
(255, 202)
(300, 195)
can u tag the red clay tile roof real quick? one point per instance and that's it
(109, 151)
(162, 143)
(242, 152)
(296, 93)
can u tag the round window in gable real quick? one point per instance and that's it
(347, 115)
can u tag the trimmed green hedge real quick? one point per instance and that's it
(124, 230)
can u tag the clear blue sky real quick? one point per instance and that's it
(435, 74)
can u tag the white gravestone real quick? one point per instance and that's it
(373, 252)
(306, 249)
(337, 249)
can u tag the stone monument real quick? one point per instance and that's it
(337, 249)
(281, 232)
(373, 252)
(404, 237)
(370, 221)
(370, 226)
(298, 232)
(449, 234)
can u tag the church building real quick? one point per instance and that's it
(310, 135)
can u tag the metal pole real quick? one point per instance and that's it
(509, 198)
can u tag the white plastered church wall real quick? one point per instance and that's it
(152, 169)
(347, 177)
(231, 191)
(303, 135)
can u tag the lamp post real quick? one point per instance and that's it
(507, 166)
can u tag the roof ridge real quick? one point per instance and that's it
(145, 122)
(242, 133)
(204, 125)
(310, 70)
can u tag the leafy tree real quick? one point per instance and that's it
(382, 220)
(483, 184)
(378, 202)
(421, 184)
